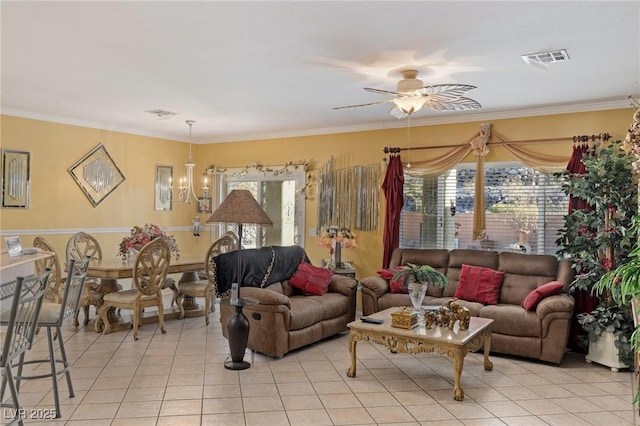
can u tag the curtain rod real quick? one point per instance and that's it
(575, 139)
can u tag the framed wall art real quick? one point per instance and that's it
(97, 174)
(16, 184)
(164, 179)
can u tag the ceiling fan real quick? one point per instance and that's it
(411, 95)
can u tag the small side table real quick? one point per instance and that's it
(238, 333)
(347, 272)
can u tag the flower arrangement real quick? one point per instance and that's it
(140, 236)
(344, 236)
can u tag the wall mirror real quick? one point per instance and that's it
(15, 178)
(164, 179)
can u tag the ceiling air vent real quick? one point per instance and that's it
(543, 59)
(162, 114)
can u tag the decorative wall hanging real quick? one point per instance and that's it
(164, 179)
(348, 197)
(97, 174)
(16, 183)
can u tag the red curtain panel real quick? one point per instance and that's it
(392, 187)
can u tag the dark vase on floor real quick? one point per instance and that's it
(238, 332)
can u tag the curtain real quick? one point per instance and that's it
(392, 187)
(585, 302)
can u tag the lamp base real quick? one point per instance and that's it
(232, 365)
(238, 336)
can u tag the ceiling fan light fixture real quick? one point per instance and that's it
(410, 104)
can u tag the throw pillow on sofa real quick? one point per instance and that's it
(311, 279)
(396, 286)
(549, 289)
(478, 284)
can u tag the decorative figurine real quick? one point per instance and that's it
(196, 226)
(445, 316)
(460, 314)
(431, 318)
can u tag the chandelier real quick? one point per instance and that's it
(186, 187)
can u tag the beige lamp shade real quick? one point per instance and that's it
(240, 207)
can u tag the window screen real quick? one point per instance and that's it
(524, 210)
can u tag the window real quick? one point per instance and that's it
(282, 199)
(524, 210)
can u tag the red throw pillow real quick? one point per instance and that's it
(478, 284)
(549, 289)
(311, 279)
(396, 286)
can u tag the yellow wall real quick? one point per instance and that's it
(58, 204)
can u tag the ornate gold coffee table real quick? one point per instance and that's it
(453, 343)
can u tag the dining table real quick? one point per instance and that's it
(110, 270)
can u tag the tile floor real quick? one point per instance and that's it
(178, 379)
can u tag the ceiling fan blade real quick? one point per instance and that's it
(361, 105)
(382, 92)
(459, 104)
(449, 90)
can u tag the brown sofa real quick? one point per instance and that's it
(285, 319)
(540, 334)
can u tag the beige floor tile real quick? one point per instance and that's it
(95, 411)
(309, 418)
(361, 386)
(259, 389)
(221, 391)
(301, 402)
(179, 420)
(222, 406)
(340, 400)
(183, 392)
(504, 408)
(268, 418)
(350, 416)
(541, 406)
(185, 380)
(395, 414)
(296, 388)
(563, 420)
(148, 381)
(463, 410)
(377, 399)
(139, 409)
(235, 419)
(182, 407)
(144, 394)
(331, 387)
(262, 403)
(524, 421)
(137, 421)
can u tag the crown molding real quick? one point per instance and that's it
(460, 117)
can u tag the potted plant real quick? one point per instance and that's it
(416, 278)
(609, 329)
(599, 238)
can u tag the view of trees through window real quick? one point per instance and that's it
(524, 210)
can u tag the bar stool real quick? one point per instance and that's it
(51, 317)
(19, 326)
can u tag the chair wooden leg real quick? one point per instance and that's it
(179, 300)
(207, 308)
(161, 316)
(136, 318)
(85, 309)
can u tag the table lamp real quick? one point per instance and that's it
(241, 208)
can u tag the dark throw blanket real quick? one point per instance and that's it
(259, 267)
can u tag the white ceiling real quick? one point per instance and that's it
(246, 70)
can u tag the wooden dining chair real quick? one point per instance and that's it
(55, 284)
(149, 273)
(204, 288)
(79, 246)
